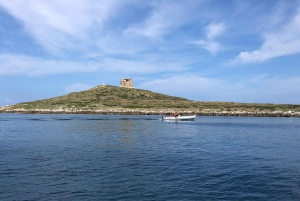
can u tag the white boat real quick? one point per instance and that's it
(180, 118)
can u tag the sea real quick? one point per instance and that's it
(127, 157)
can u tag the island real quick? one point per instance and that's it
(126, 99)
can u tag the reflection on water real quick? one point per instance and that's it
(127, 128)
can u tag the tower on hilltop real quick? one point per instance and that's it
(127, 83)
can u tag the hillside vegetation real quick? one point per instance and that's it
(105, 97)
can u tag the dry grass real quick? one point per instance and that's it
(111, 96)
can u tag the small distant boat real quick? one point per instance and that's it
(180, 118)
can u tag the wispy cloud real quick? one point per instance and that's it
(166, 16)
(281, 41)
(264, 88)
(34, 66)
(58, 25)
(213, 31)
(202, 88)
(276, 89)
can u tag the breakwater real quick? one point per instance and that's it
(139, 111)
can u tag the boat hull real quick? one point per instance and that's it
(180, 118)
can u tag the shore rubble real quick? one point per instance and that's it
(141, 111)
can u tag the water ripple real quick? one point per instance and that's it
(107, 157)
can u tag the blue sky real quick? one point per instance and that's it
(203, 50)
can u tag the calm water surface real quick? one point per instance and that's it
(111, 157)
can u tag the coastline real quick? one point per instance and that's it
(122, 111)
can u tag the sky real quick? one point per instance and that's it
(204, 50)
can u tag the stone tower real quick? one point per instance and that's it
(126, 82)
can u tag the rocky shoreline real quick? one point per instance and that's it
(122, 111)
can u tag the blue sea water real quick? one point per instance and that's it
(112, 157)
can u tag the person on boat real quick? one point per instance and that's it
(176, 114)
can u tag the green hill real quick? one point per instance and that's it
(110, 98)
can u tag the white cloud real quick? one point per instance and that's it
(259, 89)
(57, 24)
(34, 66)
(189, 86)
(281, 41)
(213, 31)
(279, 86)
(89, 28)
(166, 16)
(76, 87)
